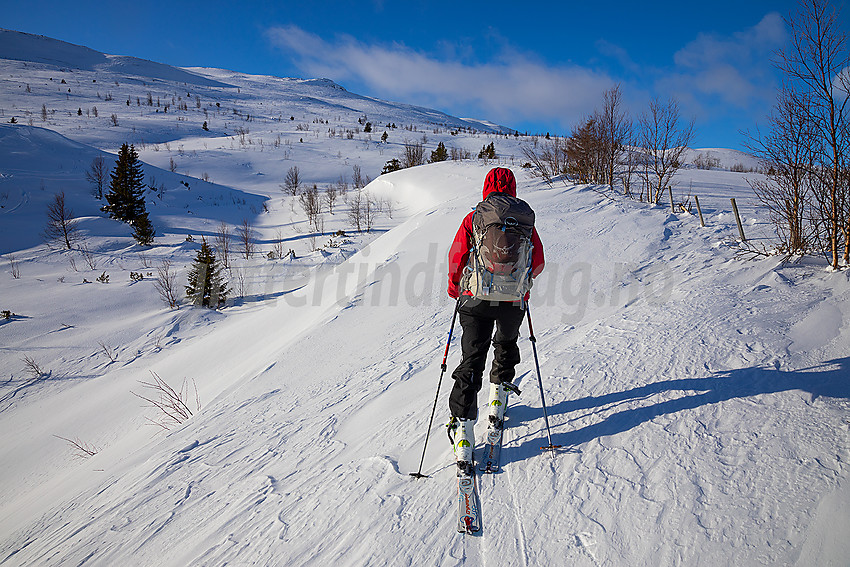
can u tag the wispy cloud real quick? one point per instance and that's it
(735, 70)
(712, 76)
(510, 88)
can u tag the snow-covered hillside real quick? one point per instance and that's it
(706, 398)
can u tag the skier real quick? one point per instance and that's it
(480, 308)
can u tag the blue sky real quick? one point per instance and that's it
(538, 66)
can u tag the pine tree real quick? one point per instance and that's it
(125, 199)
(206, 284)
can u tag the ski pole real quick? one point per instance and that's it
(533, 340)
(439, 383)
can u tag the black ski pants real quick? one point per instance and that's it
(477, 318)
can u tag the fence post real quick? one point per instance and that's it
(672, 209)
(738, 219)
(699, 210)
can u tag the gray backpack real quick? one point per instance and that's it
(499, 266)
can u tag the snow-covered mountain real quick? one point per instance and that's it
(705, 396)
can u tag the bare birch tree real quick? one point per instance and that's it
(292, 181)
(61, 225)
(330, 197)
(357, 177)
(96, 175)
(817, 62)
(664, 140)
(311, 203)
(166, 284)
(245, 235)
(616, 128)
(548, 161)
(413, 154)
(221, 242)
(356, 208)
(786, 152)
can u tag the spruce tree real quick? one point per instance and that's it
(440, 154)
(143, 230)
(488, 152)
(125, 199)
(392, 165)
(206, 284)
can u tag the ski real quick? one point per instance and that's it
(492, 450)
(493, 438)
(469, 518)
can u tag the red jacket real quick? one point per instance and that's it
(499, 179)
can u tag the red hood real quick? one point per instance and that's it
(500, 180)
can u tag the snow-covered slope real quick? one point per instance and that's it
(705, 397)
(67, 56)
(82, 89)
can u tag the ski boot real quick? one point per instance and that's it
(462, 437)
(496, 420)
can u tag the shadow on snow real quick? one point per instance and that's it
(828, 379)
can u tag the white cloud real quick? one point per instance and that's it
(510, 88)
(714, 77)
(736, 69)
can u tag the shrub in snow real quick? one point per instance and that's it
(81, 450)
(15, 267)
(174, 406)
(166, 284)
(33, 368)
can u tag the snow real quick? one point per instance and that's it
(39, 49)
(705, 396)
